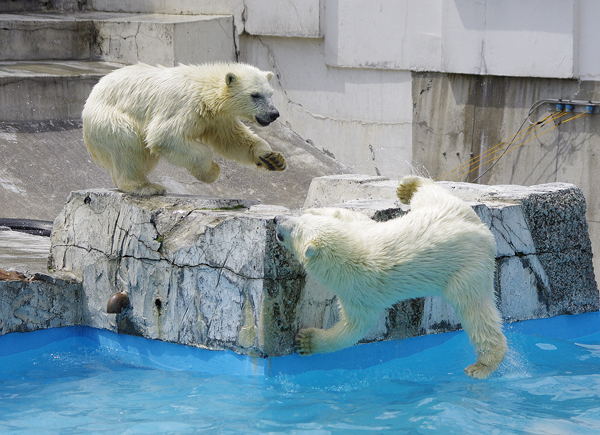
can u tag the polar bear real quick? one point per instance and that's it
(139, 113)
(439, 248)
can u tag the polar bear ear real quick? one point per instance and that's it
(269, 76)
(230, 78)
(311, 250)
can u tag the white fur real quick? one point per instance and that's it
(139, 113)
(440, 248)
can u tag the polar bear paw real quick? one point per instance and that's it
(206, 176)
(488, 361)
(305, 342)
(479, 371)
(407, 188)
(144, 190)
(272, 161)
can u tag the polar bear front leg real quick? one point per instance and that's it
(237, 142)
(481, 321)
(271, 161)
(345, 333)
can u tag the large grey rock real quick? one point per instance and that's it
(210, 273)
(544, 257)
(199, 272)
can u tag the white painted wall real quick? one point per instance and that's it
(589, 50)
(291, 18)
(388, 34)
(534, 38)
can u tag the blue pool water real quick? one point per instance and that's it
(85, 381)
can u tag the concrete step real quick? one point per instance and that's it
(118, 37)
(42, 36)
(36, 91)
(164, 39)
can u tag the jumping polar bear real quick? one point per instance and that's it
(439, 248)
(139, 113)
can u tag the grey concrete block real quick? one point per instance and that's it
(167, 40)
(117, 37)
(42, 36)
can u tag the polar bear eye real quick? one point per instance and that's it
(255, 95)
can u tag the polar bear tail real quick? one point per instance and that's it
(409, 185)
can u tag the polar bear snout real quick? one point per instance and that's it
(285, 229)
(267, 118)
(279, 228)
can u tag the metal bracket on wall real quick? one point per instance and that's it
(572, 106)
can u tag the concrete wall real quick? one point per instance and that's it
(348, 87)
(362, 116)
(456, 117)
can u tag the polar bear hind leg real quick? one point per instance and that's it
(476, 308)
(196, 157)
(129, 174)
(127, 159)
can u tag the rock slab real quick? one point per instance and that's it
(200, 272)
(544, 259)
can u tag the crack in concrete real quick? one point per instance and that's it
(174, 264)
(223, 267)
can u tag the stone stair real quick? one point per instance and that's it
(47, 89)
(49, 61)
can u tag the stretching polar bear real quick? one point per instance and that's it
(139, 113)
(440, 248)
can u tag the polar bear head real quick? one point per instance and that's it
(322, 236)
(327, 242)
(249, 94)
(298, 235)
